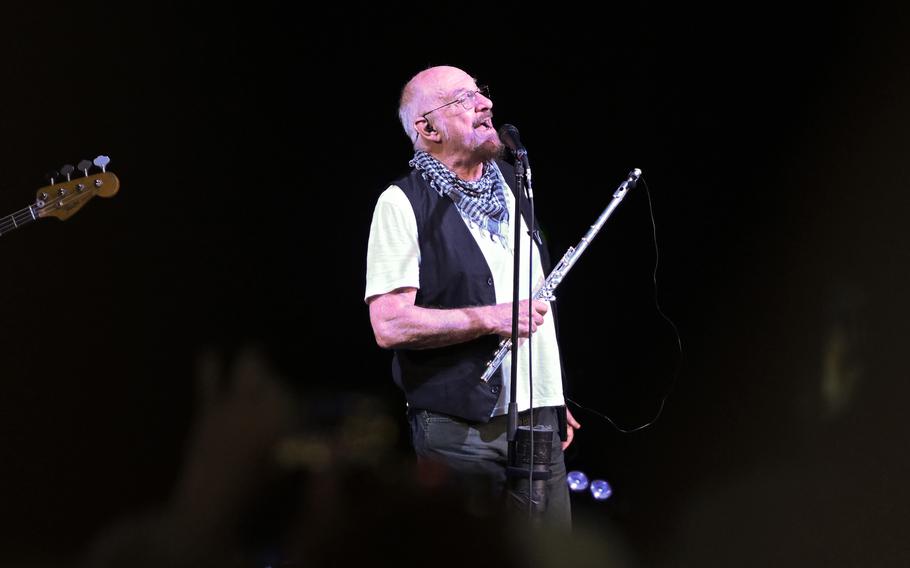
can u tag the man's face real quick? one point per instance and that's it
(465, 131)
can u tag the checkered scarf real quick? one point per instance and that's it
(481, 202)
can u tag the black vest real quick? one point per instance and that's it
(453, 274)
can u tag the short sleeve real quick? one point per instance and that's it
(393, 254)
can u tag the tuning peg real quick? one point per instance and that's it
(83, 166)
(67, 170)
(102, 162)
(51, 177)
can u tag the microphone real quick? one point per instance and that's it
(509, 136)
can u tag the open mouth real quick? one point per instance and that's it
(487, 123)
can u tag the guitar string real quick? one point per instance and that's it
(28, 216)
(15, 221)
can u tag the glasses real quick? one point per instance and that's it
(466, 100)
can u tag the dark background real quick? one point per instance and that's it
(251, 142)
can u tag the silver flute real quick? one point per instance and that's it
(568, 260)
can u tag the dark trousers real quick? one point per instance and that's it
(478, 453)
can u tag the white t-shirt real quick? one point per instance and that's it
(393, 261)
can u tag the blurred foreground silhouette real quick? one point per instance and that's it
(272, 478)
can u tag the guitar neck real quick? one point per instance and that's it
(17, 219)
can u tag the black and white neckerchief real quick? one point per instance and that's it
(481, 202)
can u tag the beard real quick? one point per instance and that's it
(471, 148)
(489, 150)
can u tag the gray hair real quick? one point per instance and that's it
(408, 111)
(413, 99)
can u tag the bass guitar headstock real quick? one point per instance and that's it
(64, 198)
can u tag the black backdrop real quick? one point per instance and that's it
(251, 142)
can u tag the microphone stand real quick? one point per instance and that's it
(529, 447)
(516, 281)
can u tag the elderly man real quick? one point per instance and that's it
(439, 289)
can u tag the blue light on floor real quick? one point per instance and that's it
(577, 480)
(601, 490)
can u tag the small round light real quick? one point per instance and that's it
(601, 490)
(577, 480)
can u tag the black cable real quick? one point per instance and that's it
(663, 399)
